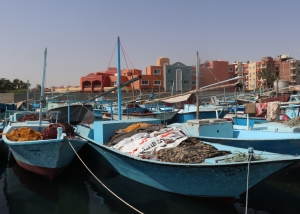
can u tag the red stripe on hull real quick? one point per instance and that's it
(50, 173)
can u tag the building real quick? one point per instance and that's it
(163, 76)
(105, 80)
(288, 69)
(212, 72)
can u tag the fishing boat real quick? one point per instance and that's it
(70, 111)
(205, 111)
(219, 179)
(289, 108)
(134, 111)
(48, 158)
(44, 154)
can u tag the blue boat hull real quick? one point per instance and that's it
(229, 181)
(181, 118)
(45, 158)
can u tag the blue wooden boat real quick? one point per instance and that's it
(136, 112)
(72, 112)
(272, 136)
(205, 111)
(290, 109)
(212, 178)
(48, 158)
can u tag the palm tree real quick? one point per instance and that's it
(268, 77)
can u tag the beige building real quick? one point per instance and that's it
(251, 77)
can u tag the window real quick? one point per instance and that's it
(186, 82)
(194, 72)
(171, 81)
(230, 70)
(145, 82)
(230, 77)
(114, 83)
(169, 70)
(194, 82)
(156, 82)
(156, 72)
(187, 71)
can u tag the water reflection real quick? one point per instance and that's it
(27, 192)
(77, 191)
(280, 194)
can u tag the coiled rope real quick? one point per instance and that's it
(103, 183)
(241, 157)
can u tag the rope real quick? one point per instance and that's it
(103, 183)
(246, 208)
(241, 157)
(127, 56)
(211, 73)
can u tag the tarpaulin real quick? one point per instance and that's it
(177, 99)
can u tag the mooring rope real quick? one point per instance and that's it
(250, 157)
(103, 183)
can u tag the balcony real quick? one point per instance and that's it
(293, 75)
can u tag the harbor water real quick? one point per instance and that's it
(78, 191)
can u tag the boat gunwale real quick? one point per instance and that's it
(284, 158)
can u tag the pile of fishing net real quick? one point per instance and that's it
(31, 117)
(190, 150)
(50, 132)
(293, 122)
(24, 134)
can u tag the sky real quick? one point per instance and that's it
(81, 36)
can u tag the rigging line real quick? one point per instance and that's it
(105, 76)
(112, 56)
(125, 59)
(100, 180)
(212, 73)
(127, 56)
(132, 84)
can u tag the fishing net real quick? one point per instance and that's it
(190, 150)
(50, 132)
(31, 117)
(293, 122)
(24, 134)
